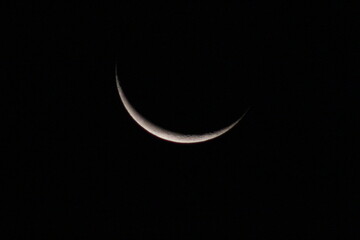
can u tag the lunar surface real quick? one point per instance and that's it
(164, 133)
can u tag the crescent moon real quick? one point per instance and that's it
(167, 134)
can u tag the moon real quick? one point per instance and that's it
(164, 133)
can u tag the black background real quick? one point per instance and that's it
(78, 166)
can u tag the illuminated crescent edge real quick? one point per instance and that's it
(166, 134)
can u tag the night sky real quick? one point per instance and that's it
(78, 166)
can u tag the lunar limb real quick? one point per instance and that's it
(164, 133)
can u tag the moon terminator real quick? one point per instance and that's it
(164, 133)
